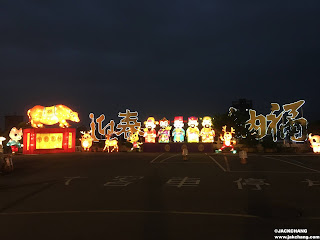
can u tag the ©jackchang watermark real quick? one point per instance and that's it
(293, 233)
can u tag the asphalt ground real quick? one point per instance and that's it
(159, 196)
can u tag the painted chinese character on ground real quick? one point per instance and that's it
(183, 182)
(122, 181)
(311, 183)
(257, 183)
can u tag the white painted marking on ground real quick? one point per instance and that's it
(293, 164)
(227, 163)
(279, 155)
(270, 172)
(256, 182)
(169, 158)
(67, 183)
(223, 169)
(122, 181)
(183, 182)
(156, 158)
(132, 212)
(184, 162)
(311, 183)
(294, 161)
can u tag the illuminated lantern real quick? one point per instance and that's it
(164, 132)
(227, 139)
(134, 139)
(1, 146)
(150, 133)
(16, 136)
(111, 143)
(193, 130)
(39, 115)
(207, 133)
(86, 140)
(315, 142)
(178, 132)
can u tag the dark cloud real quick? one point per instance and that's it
(158, 57)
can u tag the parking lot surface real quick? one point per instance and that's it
(159, 196)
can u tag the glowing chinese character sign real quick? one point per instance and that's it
(285, 121)
(128, 124)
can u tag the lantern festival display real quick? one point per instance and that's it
(150, 133)
(178, 132)
(227, 139)
(164, 132)
(86, 140)
(39, 115)
(39, 140)
(207, 133)
(315, 142)
(15, 136)
(193, 130)
(134, 139)
(1, 146)
(111, 143)
(49, 140)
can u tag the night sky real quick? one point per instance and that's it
(161, 58)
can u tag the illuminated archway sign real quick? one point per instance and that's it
(286, 121)
(50, 140)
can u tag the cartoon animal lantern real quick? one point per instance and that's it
(315, 142)
(39, 115)
(164, 132)
(111, 143)
(16, 136)
(86, 140)
(150, 133)
(178, 132)
(227, 138)
(1, 146)
(134, 139)
(207, 133)
(193, 130)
